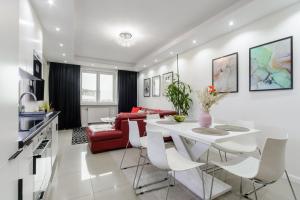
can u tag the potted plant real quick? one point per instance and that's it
(208, 97)
(179, 93)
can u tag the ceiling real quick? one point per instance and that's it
(89, 29)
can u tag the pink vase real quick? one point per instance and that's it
(205, 119)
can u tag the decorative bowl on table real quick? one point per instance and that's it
(179, 118)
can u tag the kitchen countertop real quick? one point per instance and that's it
(26, 136)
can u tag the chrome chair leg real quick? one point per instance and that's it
(124, 156)
(174, 176)
(291, 186)
(221, 158)
(241, 187)
(203, 184)
(207, 156)
(212, 184)
(137, 168)
(168, 187)
(138, 181)
(255, 193)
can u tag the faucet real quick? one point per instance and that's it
(22, 107)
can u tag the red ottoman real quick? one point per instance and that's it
(104, 138)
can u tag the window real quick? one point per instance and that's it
(97, 87)
(106, 88)
(89, 87)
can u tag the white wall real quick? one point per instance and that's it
(9, 25)
(30, 41)
(268, 109)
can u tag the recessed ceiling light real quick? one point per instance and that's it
(63, 54)
(61, 44)
(231, 23)
(171, 53)
(116, 67)
(57, 29)
(145, 66)
(93, 64)
(50, 2)
(194, 41)
(65, 61)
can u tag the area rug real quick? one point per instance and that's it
(79, 136)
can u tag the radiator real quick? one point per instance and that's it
(94, 114)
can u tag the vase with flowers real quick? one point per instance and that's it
(208, 97)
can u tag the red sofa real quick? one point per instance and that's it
(118, 137)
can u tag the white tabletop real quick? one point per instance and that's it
(184, 129)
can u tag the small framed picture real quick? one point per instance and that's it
(225, 73)
(147, 87)
(156, 86)
(271, 66)
(167, 79)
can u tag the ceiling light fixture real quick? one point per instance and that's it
(125, 39)
(57, 29)
(194, 41)
(171, 53)
(231, 23)
(63, 54)
(65, 61)
(145, 66)
(61, 44)
(156, 60)
(92, 64)
(116, 67)
(50, 2)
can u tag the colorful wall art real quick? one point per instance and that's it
(147, 87)
(167, 79)
(156, 86)
(225, 73)
(271, 65)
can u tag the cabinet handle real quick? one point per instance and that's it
(20, 189)
(34, 163)
(15, 155)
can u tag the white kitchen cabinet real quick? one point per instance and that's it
(54, 140)
(26, 171)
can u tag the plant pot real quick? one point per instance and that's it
(205, 119)
(179, 118)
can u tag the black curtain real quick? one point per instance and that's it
(64, 94)
(127, 89)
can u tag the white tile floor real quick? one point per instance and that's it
(81, 175)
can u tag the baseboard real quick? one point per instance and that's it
(293, 178)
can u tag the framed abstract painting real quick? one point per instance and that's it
(167, 79)
(271, 66)
(225, 73)
(156, 86)
(147, 87)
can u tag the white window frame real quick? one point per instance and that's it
(98, 72)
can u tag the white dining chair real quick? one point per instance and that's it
(167, 159)
(264, 171)
(136, 142)
(238, 145)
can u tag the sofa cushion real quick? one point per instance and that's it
(135, 109)
(103, 135)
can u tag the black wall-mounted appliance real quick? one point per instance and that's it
(37, 67)
(37, 88)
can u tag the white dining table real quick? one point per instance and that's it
(194, 150)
